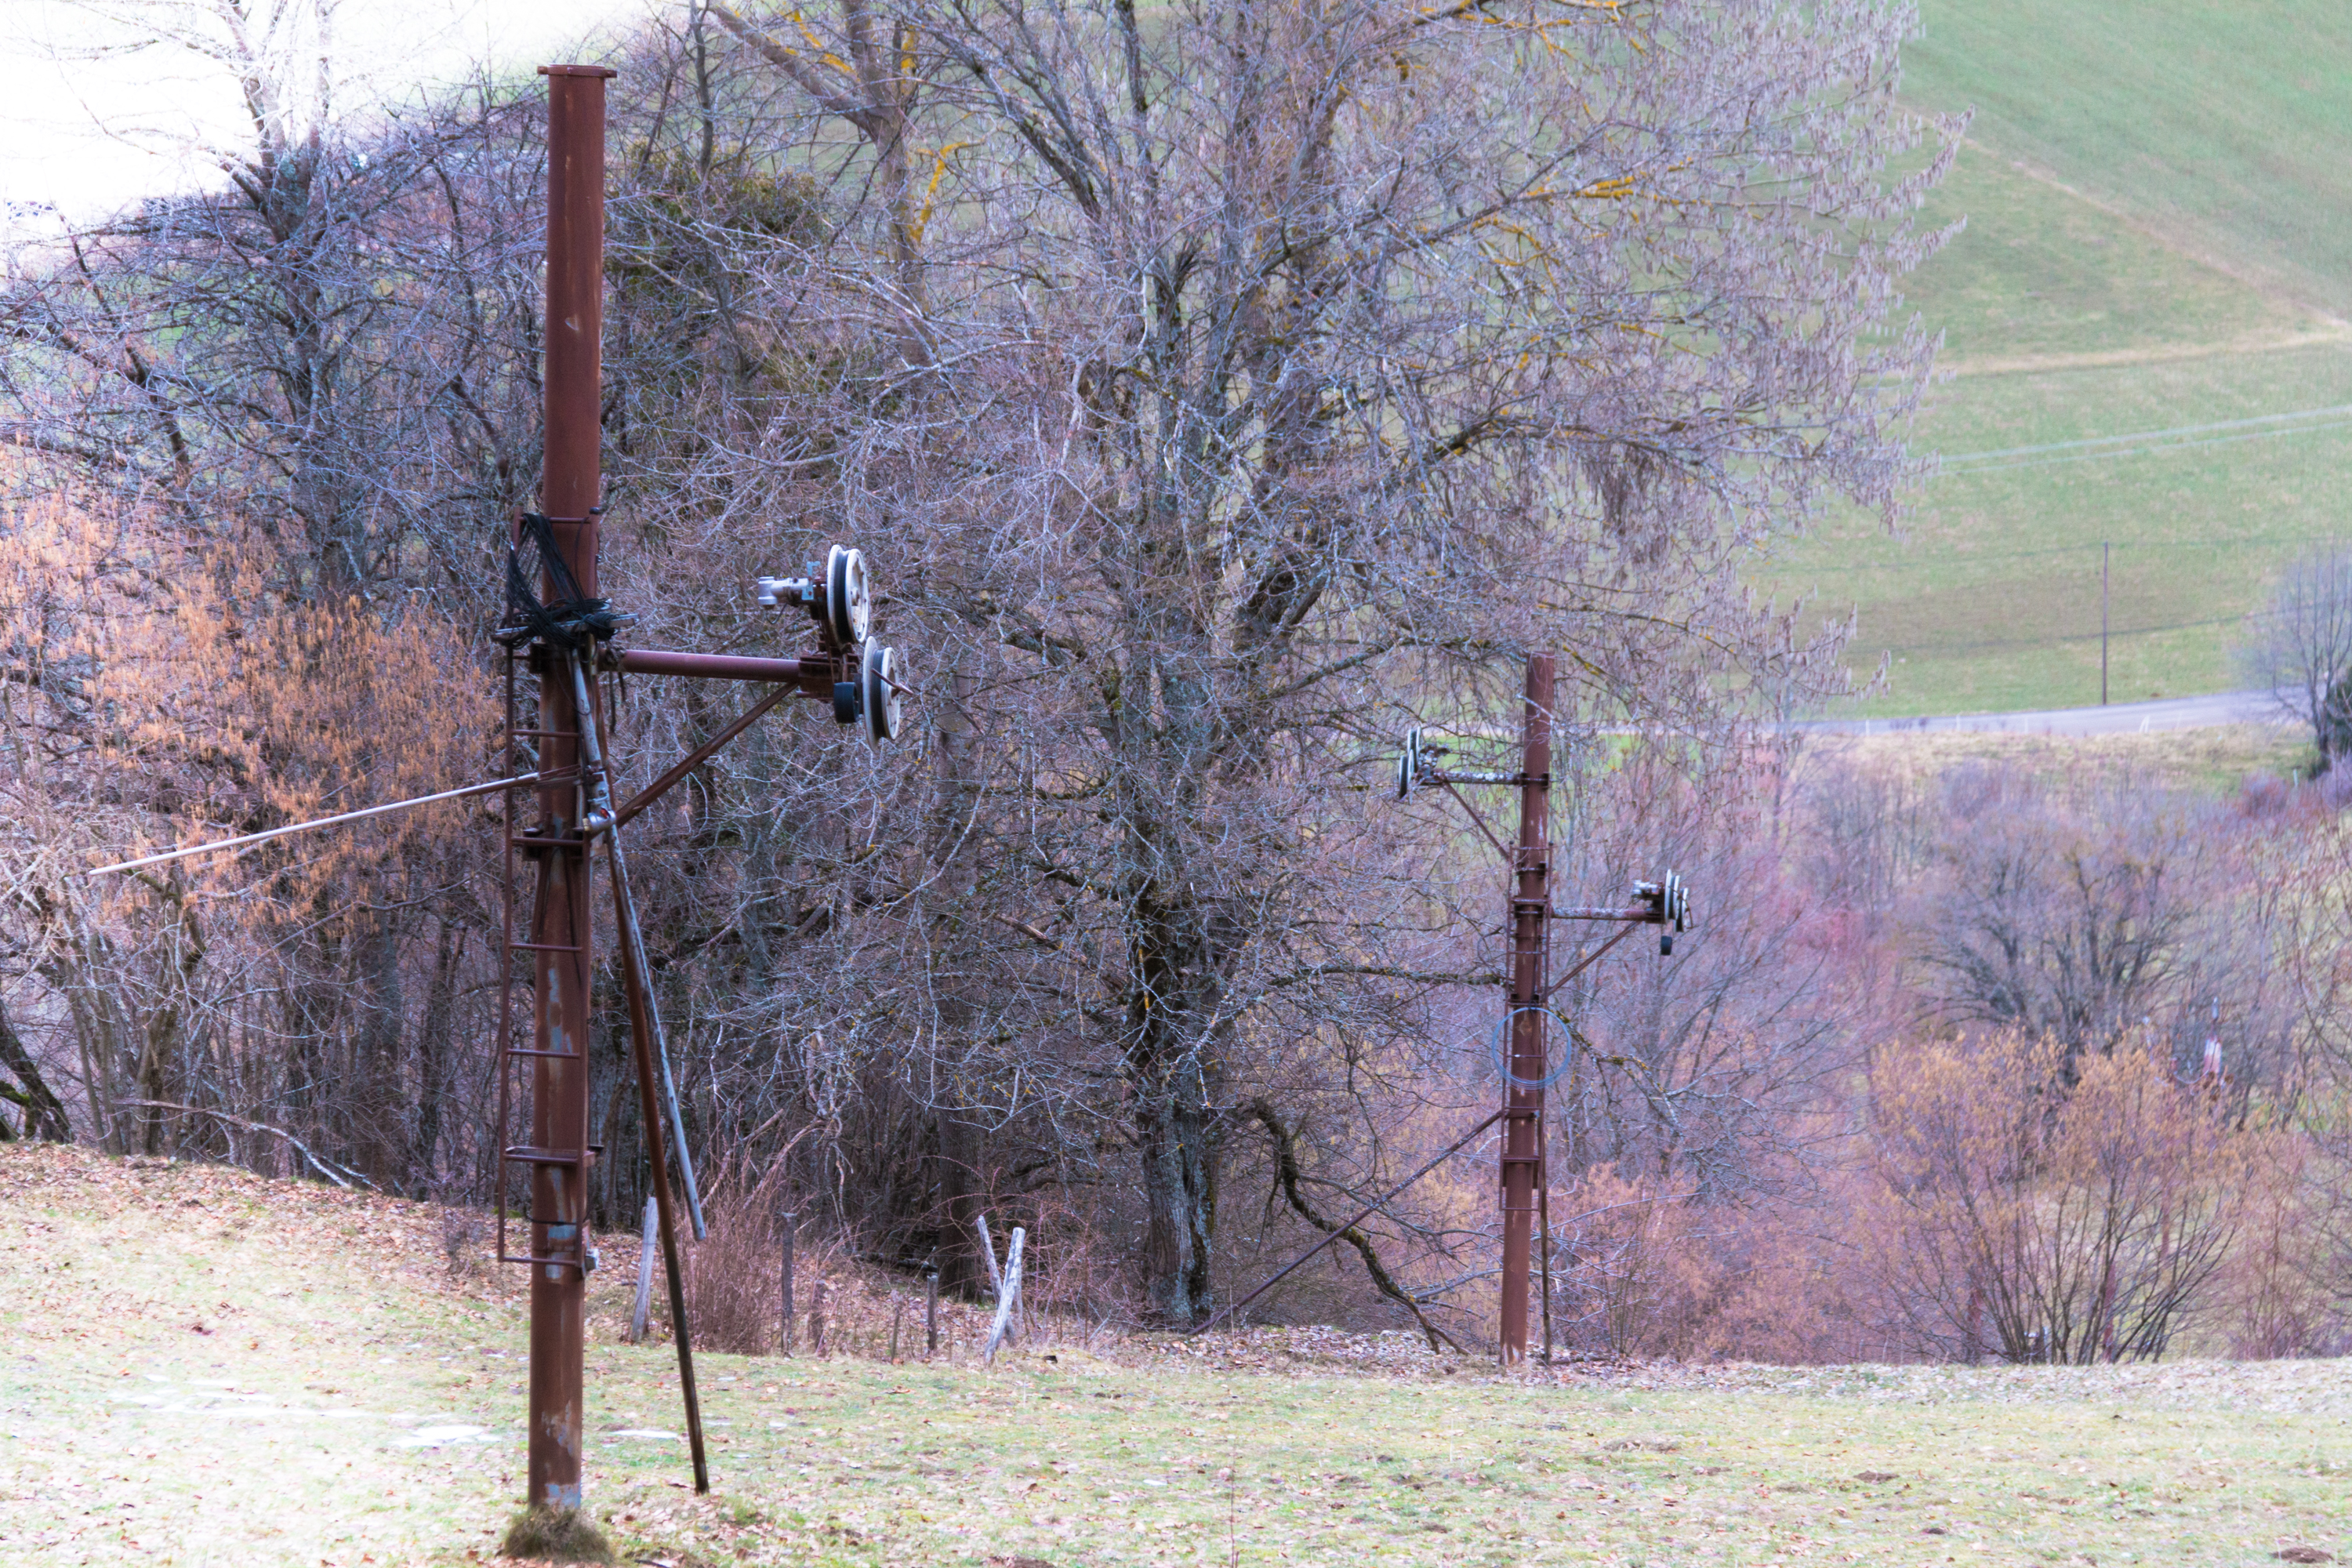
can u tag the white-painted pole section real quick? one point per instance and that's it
(988, 1252)
(1009, 1296)
(641, 1316)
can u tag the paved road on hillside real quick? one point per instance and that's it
(2119, 718)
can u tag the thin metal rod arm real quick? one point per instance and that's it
(633, 941)
(1477, 819)
(1361, 1215)
(1589, 959)
(636, 986)
(264, 837)
(695, 758)
(1641, 913)
(597, 813)
(641, 1038)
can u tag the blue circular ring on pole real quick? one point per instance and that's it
(1500, 1049)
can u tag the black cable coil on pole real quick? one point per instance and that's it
(573, 622)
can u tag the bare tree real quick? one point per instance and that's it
(333, 351)
(2060, 913)
(2048, 1214)
(252, 422)
(2298, 646)
(1280, 360)
(1218, 391)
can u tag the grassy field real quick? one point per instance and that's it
(2140, 323)
(2225, 128)
(210, 1369)
(2214, 761)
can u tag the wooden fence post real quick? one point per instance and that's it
(988, 1254)
(1009, 1296)
(791, 1227)
(640, 1317)
(931, 1312)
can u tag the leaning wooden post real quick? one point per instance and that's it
(641, 1315)
(931, 1311)
(791, 1228)
(1008, 1296)
(988, 1254)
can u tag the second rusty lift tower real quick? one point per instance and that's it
(1523, 1105)
(1522, 1052)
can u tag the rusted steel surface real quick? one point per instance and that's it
(571, 487)
(1524, 1191)
(634, 983)
(561, 926)
(1522, 1154)
(726, 666)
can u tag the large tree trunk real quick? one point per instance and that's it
(1173, 1119)
(1173, 1070)
(45, 1113)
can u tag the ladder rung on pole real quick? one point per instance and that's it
(531, 1155)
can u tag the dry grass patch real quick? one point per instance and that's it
(208, 1368)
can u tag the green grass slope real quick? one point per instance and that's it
(2137, 351)
(2227, 127)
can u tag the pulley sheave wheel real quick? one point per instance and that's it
(879, 676)
(1409, 763)
(848, 597)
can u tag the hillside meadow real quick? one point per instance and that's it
(2144, 346)
(209, 1367)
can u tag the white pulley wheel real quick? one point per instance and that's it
(879, 679)
(848, 600)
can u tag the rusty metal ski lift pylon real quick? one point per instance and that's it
(1665, 903)
(861, 680)
(561, 631)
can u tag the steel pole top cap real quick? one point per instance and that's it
(578, 70)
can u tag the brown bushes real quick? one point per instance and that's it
(1997, 1206)
(734, 1291)
(2023, 1217)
